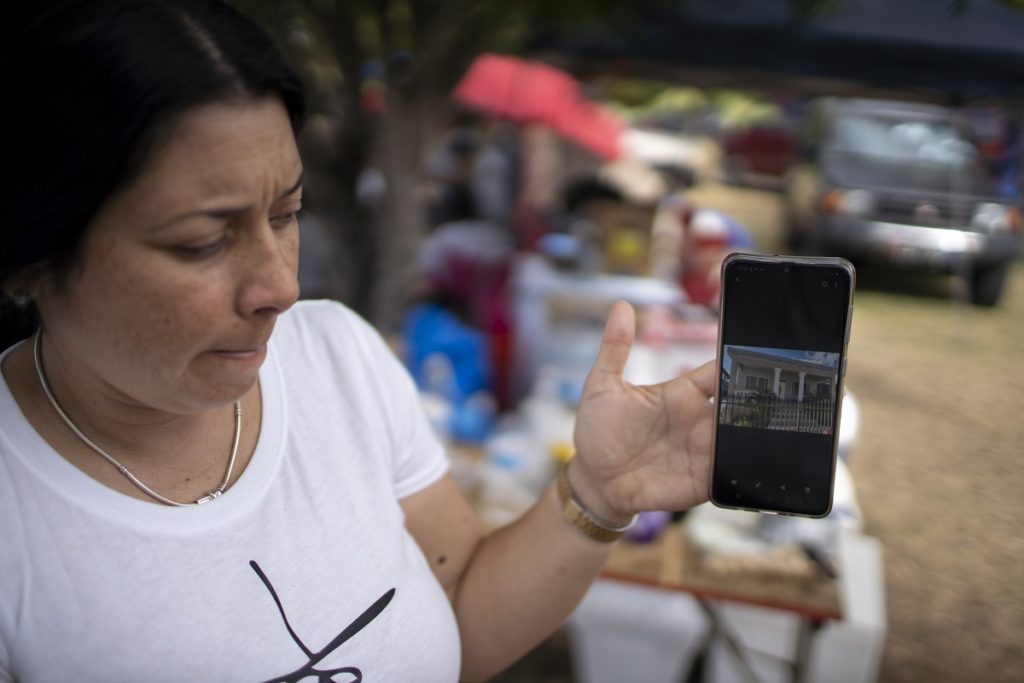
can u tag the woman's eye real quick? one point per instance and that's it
(285, 219)
(200, 251)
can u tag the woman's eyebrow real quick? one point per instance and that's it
(294, 188)
(224, 212)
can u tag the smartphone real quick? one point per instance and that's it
(784, 327)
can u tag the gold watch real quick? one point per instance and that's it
(592, 526)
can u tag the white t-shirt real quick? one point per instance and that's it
(99, 586)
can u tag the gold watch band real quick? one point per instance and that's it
(588, 523)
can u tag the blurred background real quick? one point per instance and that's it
(485, 178)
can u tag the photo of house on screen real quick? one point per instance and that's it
(779, 389)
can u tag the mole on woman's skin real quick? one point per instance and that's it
(442, 559)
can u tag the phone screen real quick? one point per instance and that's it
(782, 355)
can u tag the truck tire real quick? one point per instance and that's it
(986, 282)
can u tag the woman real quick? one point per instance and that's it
(201, 479)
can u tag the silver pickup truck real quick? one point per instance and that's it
(900, 183)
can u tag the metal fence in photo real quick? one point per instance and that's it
(813, 416)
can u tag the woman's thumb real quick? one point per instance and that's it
(616, 342)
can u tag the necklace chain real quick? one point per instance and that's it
(37, 350)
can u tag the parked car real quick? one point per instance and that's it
(900, 183)
(760, 152)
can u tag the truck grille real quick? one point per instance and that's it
(930, 211)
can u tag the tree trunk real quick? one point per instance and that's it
(401, 229)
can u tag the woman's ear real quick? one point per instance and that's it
(26, 285)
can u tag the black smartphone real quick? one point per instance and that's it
(783, 331)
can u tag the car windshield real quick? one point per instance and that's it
(898, 140)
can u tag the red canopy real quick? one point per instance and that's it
(531, 92)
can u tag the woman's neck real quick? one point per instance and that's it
(180, 456)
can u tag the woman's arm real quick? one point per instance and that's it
(639, 448)
(510, 589)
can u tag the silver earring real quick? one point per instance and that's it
(21, 298)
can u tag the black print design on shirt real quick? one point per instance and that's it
(323, 676)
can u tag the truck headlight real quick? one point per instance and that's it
(990, 217)
(851, 202)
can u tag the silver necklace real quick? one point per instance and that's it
(113, 461)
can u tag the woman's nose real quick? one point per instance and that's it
(270, 281)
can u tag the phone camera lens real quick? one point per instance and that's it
(737, 278)
(824, 283)
(785, 269)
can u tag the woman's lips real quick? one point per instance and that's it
(255, 355)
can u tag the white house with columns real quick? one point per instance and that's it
(786, 378)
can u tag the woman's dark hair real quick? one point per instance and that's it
(92, 85)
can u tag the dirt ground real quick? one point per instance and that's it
(937, 467)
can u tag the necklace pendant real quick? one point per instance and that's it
(210, 496)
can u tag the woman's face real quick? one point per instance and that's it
(182, 274)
